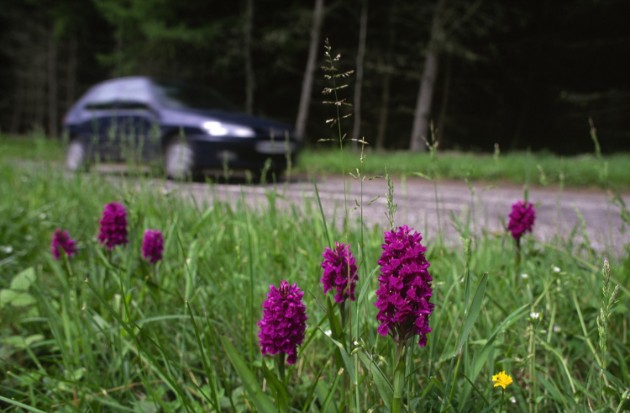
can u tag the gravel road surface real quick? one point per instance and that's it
(436, 209)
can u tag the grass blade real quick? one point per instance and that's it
(261, 400)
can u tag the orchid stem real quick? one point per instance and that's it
(399, 378)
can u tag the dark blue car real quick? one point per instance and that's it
(189, 129)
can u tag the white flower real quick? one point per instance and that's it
(534, 315)
(556, 328)
(513, 400)
(524, 276)
(555, 269)
(328, 333)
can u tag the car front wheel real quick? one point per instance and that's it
(178, 159)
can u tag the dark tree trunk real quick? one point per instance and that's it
(383, 113)
(358, 83)
(419, 132)
(444, 102)
(71, 71)
(424, 102)
(18, 106)
(309, 72)
(40, 78)
(53, 109)
(387, 70)
(250, 82)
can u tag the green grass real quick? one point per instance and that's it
(517, 168)
(108, 332)
(33, 147)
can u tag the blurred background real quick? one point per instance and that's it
(523, 74)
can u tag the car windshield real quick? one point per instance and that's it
(184, 96)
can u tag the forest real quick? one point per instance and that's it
(472, 74)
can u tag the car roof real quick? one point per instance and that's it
(133, 88)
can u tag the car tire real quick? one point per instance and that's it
(76, 156)
(178, 160)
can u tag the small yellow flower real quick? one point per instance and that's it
(502, 379)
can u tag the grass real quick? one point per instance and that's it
(516, 167)
(584, 171)
(35, 147)
(106, 331)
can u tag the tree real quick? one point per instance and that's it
(309, 72)
(250, 82)
(34, 52)
(448, 23)
(386, 69)
(428, 79)
(485, 70)
(358, 83)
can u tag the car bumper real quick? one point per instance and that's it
(242, 153)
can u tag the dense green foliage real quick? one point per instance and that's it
(108, 332)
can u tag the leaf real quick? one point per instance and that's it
(421, 175)
(471, 317)
(21, 342)
(145, 406)
(481, 357)
(191, 270)
(23, 280)
(313, 388)
(560, 396)
(20, 405)
(262, 402)
(473, 313)
(366, 286)
(77, 374)
(279, 389)
(383, 386)
(202, 220)
(15, 298)
(325, 394)
(345, 357)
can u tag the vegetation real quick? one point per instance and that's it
(543, 168)
(34, 148)
(108, 331)
(516, 168)
(115, 322)
(483, 72)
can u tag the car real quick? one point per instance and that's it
(186, 128)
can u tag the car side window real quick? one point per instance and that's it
(118, 104)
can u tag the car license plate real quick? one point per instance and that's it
(274, 147)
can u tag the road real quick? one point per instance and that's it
(441, 208)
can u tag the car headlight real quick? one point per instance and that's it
(216, 128)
